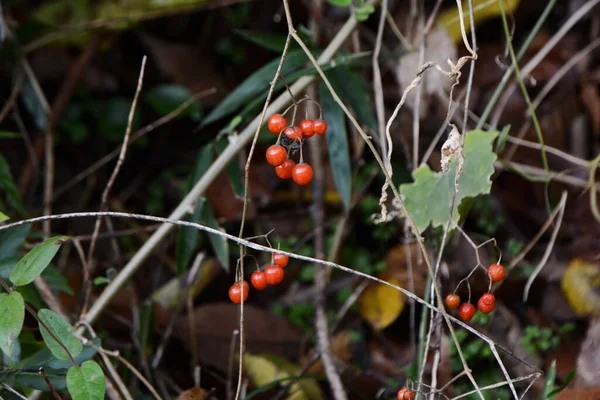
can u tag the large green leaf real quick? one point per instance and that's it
(34, 262)
(337, 145)
(166, 98)
(255, 84)
(12, 315)
(8, 189)
(188, 238)
(86, 382)
(428, 198)
(63, 332)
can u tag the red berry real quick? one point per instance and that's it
(281, 260)
(486, 303)
(496, 272)
(466, 311)
(308, 128)
(294, 133)
(302, 174)
(235, 292)
(276, 155)
(276, 123)
(452, 301)
(406, 394)
(319, 126)
(258, 280)
(284, 171)
(274, 274)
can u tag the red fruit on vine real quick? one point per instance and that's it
(276, 123)
(258, 280)
(235, 292)
(406, 394)
(294, 133)
(452, 301)
(302, 174)
(466, 311)
(496, 272)
(486, 303)
(274, 274)
(319, 126)
(276, 155)
(308, 128)
(281, 260)
(284, 171)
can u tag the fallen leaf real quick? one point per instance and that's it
(380, 304)
(580, 284)
(195, 393)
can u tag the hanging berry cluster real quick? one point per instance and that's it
(272, 275)
(406, 394)
(278, 155)
(485, 304)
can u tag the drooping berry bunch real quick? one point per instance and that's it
(272, 275)
(406, 394)
(278, 155)
(485, 304)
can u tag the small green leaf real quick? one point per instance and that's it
(337, 145)
(166, 98)
(12, 315)
(86, 382)
(34, 262)
(187, 237)
(9, 135)
(219, 244)
(340, 3)
(254, 85)
(550, 378)
(63, 332)
(267, 40)
(428, 198)
(3, 217)
(32, 379)
(33, 106)
(101, 280)
(502, 139)
(565, 383)
(8, 189)
(233, 170)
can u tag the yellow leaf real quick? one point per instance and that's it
(580, 284)
(482, 11)
(380, 305)
(264, 369)
(3, 217)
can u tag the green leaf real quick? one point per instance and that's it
(254, 85)
(550, 378)
(56, 280)
(86, 382)
(337, 145)
(33, 106)
(187, 237)
(428, 198)
(9, 135)
(12, 315)
(219, 244)
(63, 332)
(8, 189)
(502, 139)
(166, 98)
(340, 3)
(267, 40)
(34, 262)
(233, 170)
(11, 241)
(32, 379)
(565, 383)
(3, 217)
(46, 359)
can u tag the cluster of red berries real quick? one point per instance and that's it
(277, 155)
(272, 275)
(406, 394)
(485, 304)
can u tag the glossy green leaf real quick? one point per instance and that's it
(188, 238)
(63, 332)
(234, 173)
(34, 262)
(166, 98)
(267, 40)
(337, 145)
(428, 198)
(12, 315)
(254, 85)
(86, 382)
(219, 244)
(8, 189)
